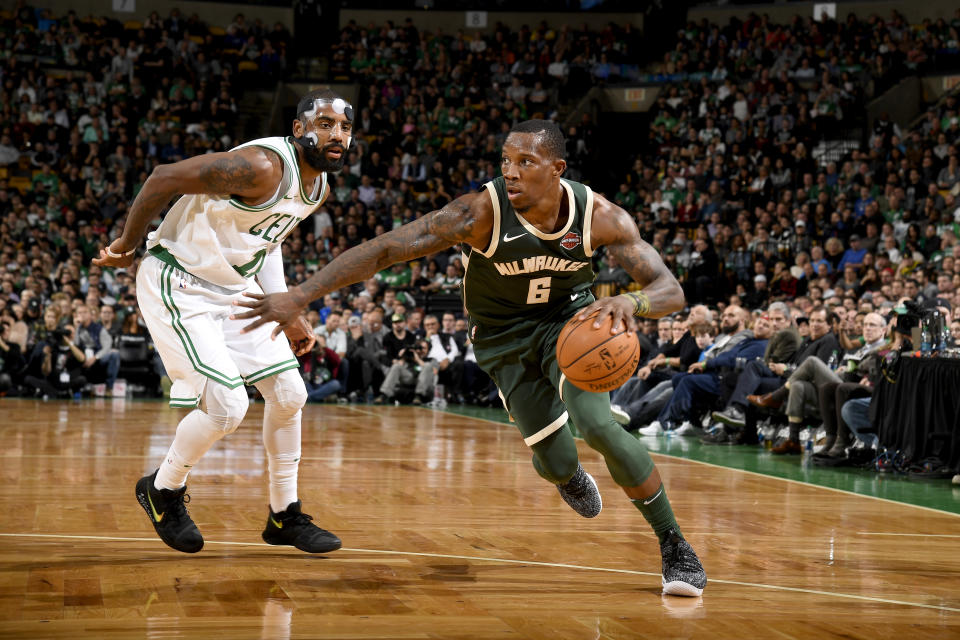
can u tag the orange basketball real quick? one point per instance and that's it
(595, 359)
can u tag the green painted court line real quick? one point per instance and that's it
(939, 495)
(933, 494)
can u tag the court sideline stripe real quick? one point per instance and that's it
(359, 410)
(557, 565)
(762, 475)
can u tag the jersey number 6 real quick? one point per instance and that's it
(539, 291)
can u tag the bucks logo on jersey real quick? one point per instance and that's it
(525, 273)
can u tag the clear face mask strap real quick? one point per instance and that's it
(339, 106)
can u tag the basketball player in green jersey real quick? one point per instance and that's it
(527, 238)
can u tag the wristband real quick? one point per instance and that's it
(111, 254)
(641, 303)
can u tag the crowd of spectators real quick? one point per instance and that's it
(872, 49)
(726, 185)
(784, 375)
(830, 249)
(731, 193)
(90, 105)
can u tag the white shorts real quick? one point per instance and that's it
(189, 320)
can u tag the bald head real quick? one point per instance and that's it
(733, 319)
(700, 314)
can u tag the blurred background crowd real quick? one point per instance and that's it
(732, 181)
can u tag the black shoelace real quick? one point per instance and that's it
(577, 486)
(300, 518)
(682, 560)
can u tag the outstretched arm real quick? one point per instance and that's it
(467, 219)
(661, 294)
(252, 173)
(458, 221)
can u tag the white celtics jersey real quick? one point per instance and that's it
(224, 241)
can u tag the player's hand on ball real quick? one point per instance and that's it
(595, 358)
(282, 308)
(301, 336)
(617, 306)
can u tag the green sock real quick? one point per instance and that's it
(658, 512)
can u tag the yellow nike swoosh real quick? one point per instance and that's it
(156, 516)
(278, 525)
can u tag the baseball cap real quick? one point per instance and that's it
(759, 278)
(354, 321)
(397, 317)
(800, 223)
(854, 237)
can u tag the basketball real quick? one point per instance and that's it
(595, 359)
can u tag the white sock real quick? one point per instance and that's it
(195, 434)
(281, 439)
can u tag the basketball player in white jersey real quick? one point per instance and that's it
(222, 238)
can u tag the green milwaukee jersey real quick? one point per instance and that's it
(525, 274)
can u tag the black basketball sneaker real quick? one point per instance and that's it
(294, 528)
(167, 511)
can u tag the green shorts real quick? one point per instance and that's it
(522, 361)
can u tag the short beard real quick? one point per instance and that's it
(317, 159)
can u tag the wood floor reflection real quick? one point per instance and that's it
(448, 533)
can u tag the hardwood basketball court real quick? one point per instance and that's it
(448, 533)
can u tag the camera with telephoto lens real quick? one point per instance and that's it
(420, 347)
(408, 353)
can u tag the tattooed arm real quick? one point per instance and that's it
(661, 294)
(468, 219)
(251, 174)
